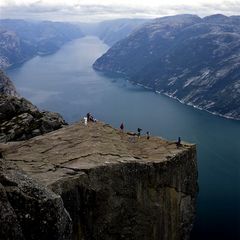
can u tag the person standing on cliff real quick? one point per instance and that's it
(121, 127)
(179, 142)
(139, 132)
(85, 121)
(148, 135)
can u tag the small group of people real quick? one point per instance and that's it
(178, 143)
(89, 118)
(138, 131)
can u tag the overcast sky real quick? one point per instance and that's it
(96, 10)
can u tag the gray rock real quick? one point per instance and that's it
(6, 85)
(29, 210)
(114, 188)
(19, 119)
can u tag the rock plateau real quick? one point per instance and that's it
(95, 182)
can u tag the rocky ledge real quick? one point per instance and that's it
(21, 120)
(94, 182)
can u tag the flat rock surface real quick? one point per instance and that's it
(74, 149)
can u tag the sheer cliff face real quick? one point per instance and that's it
(114, 185)
(6, 86)
(134, 200)
(192, 59)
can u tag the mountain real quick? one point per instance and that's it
(20, 40)
(193, 59)
(112, 31)
(13, 49)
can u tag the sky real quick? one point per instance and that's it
(98, 10)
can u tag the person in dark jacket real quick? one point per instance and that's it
(139, 132)
(178, 143)
(121, 127)
(148, 135)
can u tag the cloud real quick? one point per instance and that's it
(83, 11)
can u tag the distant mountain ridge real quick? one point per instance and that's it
(112, 31)
(195, 60)
(20, 40)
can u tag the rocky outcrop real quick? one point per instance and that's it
(192, 59)
(6, 86)
(29, 210)
(20, 120)
(114, 185)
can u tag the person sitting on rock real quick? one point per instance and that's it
(91, 118)
(88, 116)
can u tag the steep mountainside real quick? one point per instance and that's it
(112, 31)
(194, 60)
(6, 86)
(21, 40)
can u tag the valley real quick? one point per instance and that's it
(65, 82)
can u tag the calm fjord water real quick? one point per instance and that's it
(66, 83)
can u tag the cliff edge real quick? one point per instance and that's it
(113, 185)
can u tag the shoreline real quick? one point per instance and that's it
(172, 97)
(36, 54)
(125, 78)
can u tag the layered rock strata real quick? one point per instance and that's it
(113, 185)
